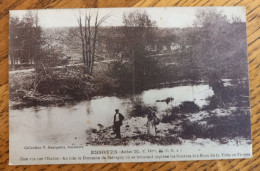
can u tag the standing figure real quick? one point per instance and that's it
(118, 119)
(152, 120)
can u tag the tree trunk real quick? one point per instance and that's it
(89, 45)
(89, 39)
(94, 45)
(86, 45)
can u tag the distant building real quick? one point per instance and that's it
(175, 46)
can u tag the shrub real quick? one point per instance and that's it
(66, 82)
(104, 83)
(189, 107)
(18, 86)
(141, 110)
(179, 111)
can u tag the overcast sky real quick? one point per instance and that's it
(164, 17)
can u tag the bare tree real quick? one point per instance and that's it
(88, 37)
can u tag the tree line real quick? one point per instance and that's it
(215, 44)
(28, 45)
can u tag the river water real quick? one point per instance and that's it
(68, 124)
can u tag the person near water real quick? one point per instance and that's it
(118, 121)
(152, 121)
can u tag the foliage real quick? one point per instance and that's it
(139, 109)
(29, 47)
(67, 81)
(26, 40)
(122, 72)
(179, 111)
(104, 83)
(219, 45)
(235, 95)
(134, 70)
(142, 110)
(132, 57)
(219, 127)
(18, 87)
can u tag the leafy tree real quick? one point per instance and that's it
(135, 70)
(219, 45)
(29, 47)
(26, 42)
(14, 40)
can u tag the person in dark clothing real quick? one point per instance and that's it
(118, 120)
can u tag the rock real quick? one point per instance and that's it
(94, 131)
(137, 132)
(20, 93)
(100, 126)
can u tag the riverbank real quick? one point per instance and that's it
(134, 132)
(59, 88)
(213, 125)
(54, 87)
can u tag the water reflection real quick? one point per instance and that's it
(67, 124)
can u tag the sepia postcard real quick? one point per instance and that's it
(128, 85)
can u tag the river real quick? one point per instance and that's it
(66, 125)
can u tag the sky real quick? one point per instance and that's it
(163, 16)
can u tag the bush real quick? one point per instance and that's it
(72, 87)
(66, 82)
(18, 86)
(104, 85)
(189, 107)
(141, 110)
(122, 73)
(177, 112)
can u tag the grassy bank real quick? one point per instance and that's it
(54, 86)
(66, 83)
